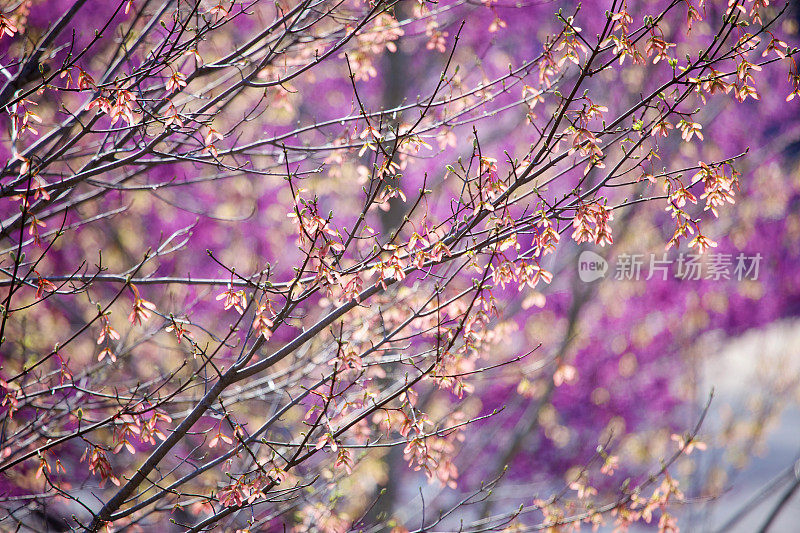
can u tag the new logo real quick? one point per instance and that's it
(591, 266)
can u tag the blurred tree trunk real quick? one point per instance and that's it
(395, 70)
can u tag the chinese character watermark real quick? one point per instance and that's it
(689, 267)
